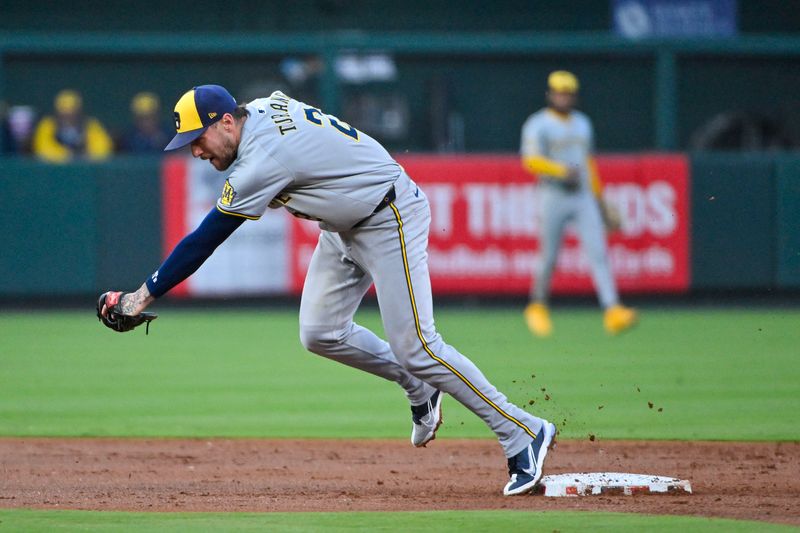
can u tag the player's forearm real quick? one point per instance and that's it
(192, 252)
(542, 165)
(134, 303)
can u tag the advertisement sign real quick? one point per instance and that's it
(484, 229)
(483, 236)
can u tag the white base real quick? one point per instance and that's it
(595, 483)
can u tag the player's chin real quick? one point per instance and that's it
(220, 164)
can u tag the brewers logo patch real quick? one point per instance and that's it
(228, 194)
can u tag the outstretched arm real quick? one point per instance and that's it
(184, 260)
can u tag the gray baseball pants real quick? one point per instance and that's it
(557, 207)
(390, 249)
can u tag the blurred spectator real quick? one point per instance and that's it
(147, 133)
(18, 127)
(70, 134)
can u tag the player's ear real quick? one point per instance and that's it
(227, 121)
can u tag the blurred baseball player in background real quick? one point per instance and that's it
(375, 222)
(557, 146)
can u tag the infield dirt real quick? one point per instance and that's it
(755, 481)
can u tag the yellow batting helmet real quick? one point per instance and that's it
(562, 81)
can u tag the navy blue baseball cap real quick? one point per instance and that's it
(198, 109)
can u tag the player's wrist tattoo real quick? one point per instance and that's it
(128, 304)
(134, 303)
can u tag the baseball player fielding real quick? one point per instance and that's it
(375, 221)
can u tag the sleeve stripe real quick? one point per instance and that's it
(248, 217)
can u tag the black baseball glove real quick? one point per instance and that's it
(113, 317)
(572, 181)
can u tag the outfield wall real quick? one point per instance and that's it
(72, 229)
(731, 222)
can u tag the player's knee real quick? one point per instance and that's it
(312, 339)
(318, 340)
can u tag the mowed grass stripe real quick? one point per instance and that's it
(441, 521)
(727, 374)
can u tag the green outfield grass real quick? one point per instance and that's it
(439, 521)
(721, 374)
(709, 374)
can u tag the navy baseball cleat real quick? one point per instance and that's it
(426, 418)
(525, 468)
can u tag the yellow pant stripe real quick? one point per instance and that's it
(424, 342)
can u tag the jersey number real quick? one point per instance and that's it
(315, 116)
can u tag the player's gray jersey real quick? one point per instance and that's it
(568, 141)
(316, 166)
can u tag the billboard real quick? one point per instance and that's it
(484, 229)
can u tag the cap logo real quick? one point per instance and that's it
(212, 115)
(177, 120)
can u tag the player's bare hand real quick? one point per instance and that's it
(128, 303)
(124, 311)
(612, 219)
(108, 299)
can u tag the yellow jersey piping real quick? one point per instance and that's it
(248, 217)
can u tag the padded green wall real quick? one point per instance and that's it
(788, 222)
(49, 229)
(733, 221)
(80, 228)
